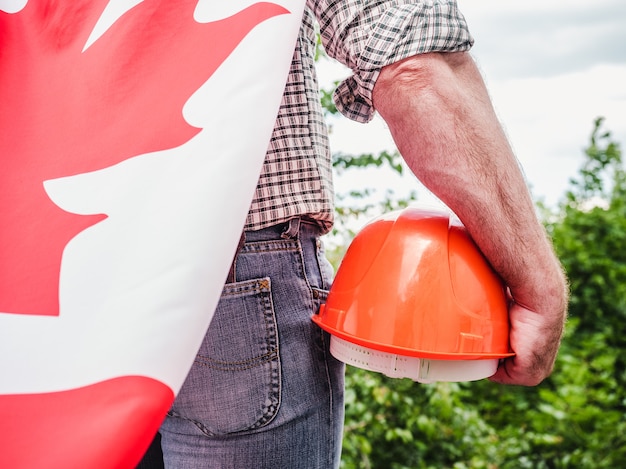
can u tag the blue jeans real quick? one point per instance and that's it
(264, 391)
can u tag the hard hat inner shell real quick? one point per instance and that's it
(423, 370)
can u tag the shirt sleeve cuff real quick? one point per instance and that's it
(401, 32)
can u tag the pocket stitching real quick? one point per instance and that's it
(268, 410)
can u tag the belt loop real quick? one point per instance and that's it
(232, 273)
(292, 230)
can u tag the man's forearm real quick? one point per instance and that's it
(440, 115)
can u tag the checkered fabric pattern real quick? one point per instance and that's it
(365, 35)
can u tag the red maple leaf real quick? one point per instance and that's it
(64, 112)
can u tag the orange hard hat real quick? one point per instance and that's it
(414, 297)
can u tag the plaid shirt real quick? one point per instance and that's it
(365, 35)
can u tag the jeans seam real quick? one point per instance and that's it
(331, 400)
(305, 276)
(272, 410)
(198, 424)
(319, 258)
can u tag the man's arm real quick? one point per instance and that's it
(441, 118)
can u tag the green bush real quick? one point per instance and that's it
(574, 419)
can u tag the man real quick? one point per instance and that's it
(264, 391)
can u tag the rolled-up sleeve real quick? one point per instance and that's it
(366, 35)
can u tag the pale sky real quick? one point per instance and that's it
(551, 68)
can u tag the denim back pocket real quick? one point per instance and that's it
(234, 384)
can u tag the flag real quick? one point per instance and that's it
(132, 134)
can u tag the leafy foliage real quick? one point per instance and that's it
(590, 238)
(575, 419)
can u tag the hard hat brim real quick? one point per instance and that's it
(407, 352)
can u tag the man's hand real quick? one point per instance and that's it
(535, 338)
